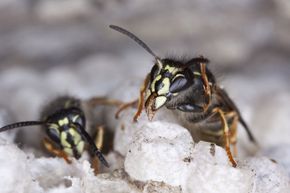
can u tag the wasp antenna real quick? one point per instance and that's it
(20, 124)
(135, 38)
(96, 151)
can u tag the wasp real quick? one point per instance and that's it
(190, 90)
(64, 122)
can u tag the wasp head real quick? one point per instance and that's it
(167, 79)
(65, 128)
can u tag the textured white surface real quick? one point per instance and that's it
(159, 151)
(165, 152)
(125, 127)
(280, 154)
(211, 172)
(14, 171)
(158, 156)
(51, 48)
(20, 172)
(203, 171)
(269, 177)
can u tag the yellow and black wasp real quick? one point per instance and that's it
(64, 122)
(190, 90)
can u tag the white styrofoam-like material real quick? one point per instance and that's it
(160, 151)
(157, 156)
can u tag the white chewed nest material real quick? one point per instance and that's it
(169, 162)
(158, 156)
(165, 152)
(161, 157)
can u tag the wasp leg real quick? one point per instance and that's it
(125, 106)
(140, 101)
(99, 143)
(103, 101)
(141, 98)
(57, 152)
(233, 130)
(233, 106)
(226, 137)
(206, 84)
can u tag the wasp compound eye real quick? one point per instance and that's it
(179, 83)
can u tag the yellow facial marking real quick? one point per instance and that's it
(64, 121)
(80, 147)
(165, 88)
(154, 81)
(76, 136)
(53, 126)
(171, 69)
(159, 101)
(68, 151)
(63, 140)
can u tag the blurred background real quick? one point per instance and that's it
(54, 47)
(239, 35)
